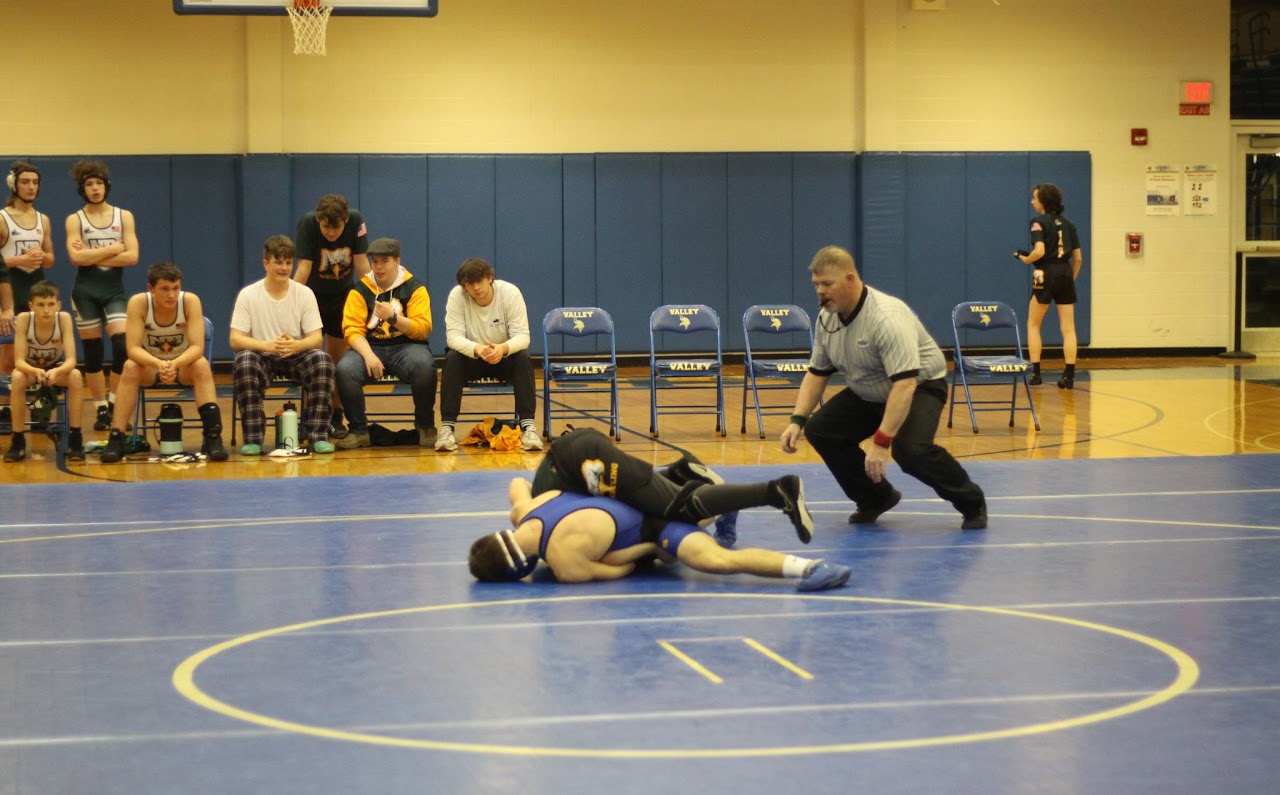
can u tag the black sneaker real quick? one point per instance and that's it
(213, 448)
(976, 519)
(1035, 379)
(17, 450)
(337, 430)
(1067, 382)
(103, 420)
(114, 450)
(75, 446)
(791, 490)
(870, 515)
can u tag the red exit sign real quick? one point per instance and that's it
(1195, 92)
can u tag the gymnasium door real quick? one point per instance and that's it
(1256, 222)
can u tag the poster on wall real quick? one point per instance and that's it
(1202, 189)
(1163, 190)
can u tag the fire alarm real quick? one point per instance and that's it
(1133, 241)
(1138, 136)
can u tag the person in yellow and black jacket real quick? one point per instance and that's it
(386, 320)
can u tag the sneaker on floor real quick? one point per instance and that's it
(530, 440)
(337, 430)
(727, 529)
(445, 443)
(823, 575)
(17, 452)
(103, 420)
(975, 520)
(1067, 382)
(427, 436)
(324, 447)
(353, 440)
(114, 450)
(1035, 379)
(791, 490)
(870, 515)
(214, 449)
(250, 449)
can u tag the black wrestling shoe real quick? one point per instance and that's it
(114, 450)
(103, 420)
(791, 490)
(1067, 382)
(213, 448)
(1035, 379)
(870, 515)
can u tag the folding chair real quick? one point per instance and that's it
(57, 427)
(669, 371)
(783, 373)
(171, 393)
(984, 317)
(598, 376)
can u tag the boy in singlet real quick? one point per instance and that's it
(101, 243)
(45, 345)
(164, 334)
(27, 249)
(585, 538)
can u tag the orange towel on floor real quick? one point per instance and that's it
(506, 438)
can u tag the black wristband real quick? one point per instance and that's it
(798, 420)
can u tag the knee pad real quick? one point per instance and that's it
(118, 353)
(93, 355)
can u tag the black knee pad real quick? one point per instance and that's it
(211, 419)
(118, 353)
(93, 355)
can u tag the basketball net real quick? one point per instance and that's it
(310, 18)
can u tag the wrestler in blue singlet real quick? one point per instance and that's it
(629, 523)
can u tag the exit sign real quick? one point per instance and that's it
(1195, 92)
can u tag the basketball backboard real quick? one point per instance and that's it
(369, 8)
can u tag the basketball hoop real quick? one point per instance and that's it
(310, 18)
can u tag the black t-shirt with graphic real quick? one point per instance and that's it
(331, 263)
(1059, 238)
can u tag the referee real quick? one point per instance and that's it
(896, 390)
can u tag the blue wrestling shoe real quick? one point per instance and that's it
(823, 575)
(727, 529)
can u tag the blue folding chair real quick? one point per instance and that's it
(672, 371)
(981, 318)
(760, 375)
(582, 377)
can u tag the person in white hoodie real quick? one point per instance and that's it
(487, 333)
(386, 321)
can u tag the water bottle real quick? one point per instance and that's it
(170, 421)
(287, 427)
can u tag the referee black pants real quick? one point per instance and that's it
(836, 429)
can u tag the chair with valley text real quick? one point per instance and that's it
(981, 318)
(599, 375)
(780, 322)
(678, 370)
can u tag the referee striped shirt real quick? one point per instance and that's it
(883, 342)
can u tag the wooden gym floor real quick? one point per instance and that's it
(309, 625)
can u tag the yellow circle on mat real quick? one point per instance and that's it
(184, 680)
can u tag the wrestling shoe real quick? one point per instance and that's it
(17, 449)
(75, 445)
(870, 515)
(337, 430)
(103, 420)
(727, 529)
(1035, 379)
(114, 450)
(689, 471)
(214, 448)
(530, 440)
(791, 491)
(1067, 382)
(823, 575)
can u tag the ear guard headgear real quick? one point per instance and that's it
(106, 185)
(519, 565)
(12, 178)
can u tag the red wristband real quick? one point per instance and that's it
(881, 439)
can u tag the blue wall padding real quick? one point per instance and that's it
(530, 232)
(629, 243)
(695, 268)
(626, 232)
(578, 273)
(935, 223)
(824, 202)
(761, 266)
